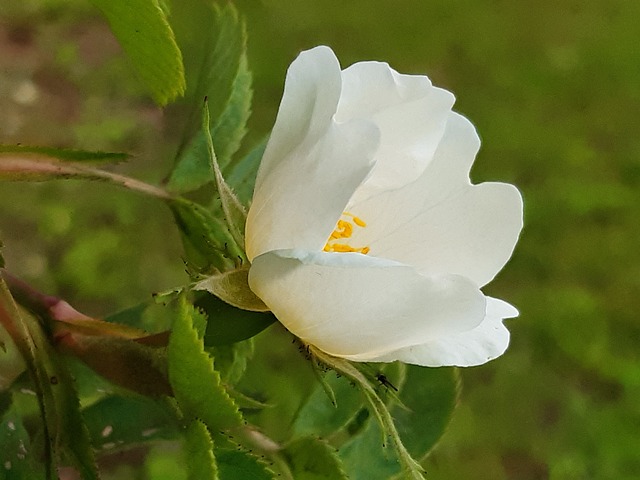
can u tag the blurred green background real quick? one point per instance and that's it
(553, 88)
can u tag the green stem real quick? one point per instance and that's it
(412, 468)
(38, 169)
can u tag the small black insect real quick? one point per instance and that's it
(382, 378)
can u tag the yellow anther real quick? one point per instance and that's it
(357, 220)
(344, 229)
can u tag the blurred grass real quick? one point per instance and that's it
(554, 90)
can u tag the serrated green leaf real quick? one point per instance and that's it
(120, 422)
(193, 169)
(241, 465)
(310, 458)
(232, 286)
(230, 128)
(124, 362)
(231, 360)
(213, 41)
(196, 384)
(17, 461)
(228, 324)
(68, 155)
(198, 448)
(67, 437)
(142, 29)
(241, 175)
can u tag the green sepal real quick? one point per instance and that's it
(196, 384)
(232, 286)
(235, 215)
(411, 469)
(145, 35)
(207, 241)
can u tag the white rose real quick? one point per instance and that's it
(366, 237)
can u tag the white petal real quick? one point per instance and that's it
(310, 99)
(474, 347)
(312, 164)
(441, 223)
(410, 113)
(352, 304)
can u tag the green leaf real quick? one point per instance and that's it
(213, 41)
(17, 460)
(310, 458)
(66, 154)
(365, 457)
(430, 396)
(228, 324)
(280, 376)
(198, 448)
(230, 128)
(241, 465)
(233, 287)
(122, 361)
(67, 437)
(142, 29)
(193, 169)
(196, 384)
(120, 422)
(241, 175)
(231, 360)
(319, 417)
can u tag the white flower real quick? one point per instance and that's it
(366, 237)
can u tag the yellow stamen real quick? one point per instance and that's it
(357, 220)
(344, 229)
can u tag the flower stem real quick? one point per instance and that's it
(412, 468)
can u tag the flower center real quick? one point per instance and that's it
(344, 229)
